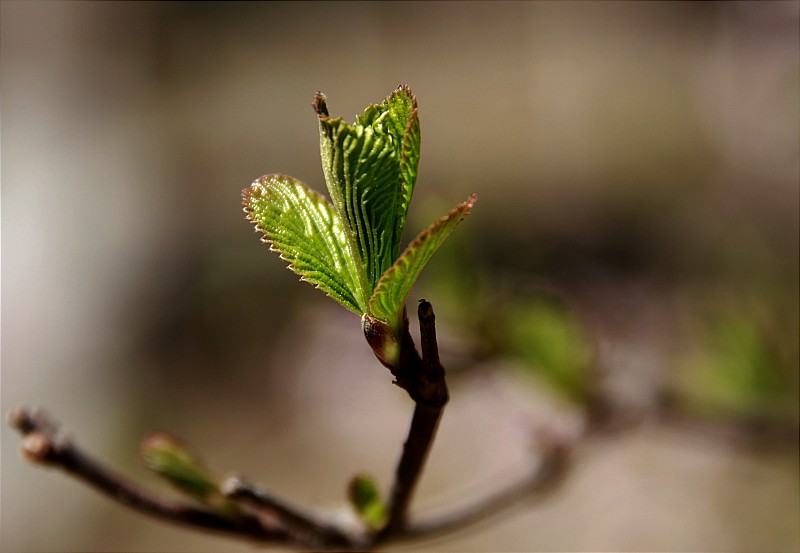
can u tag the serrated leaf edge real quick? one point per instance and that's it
(247, 194)
(461, 210)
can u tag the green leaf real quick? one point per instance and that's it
(390, 295)
(400, 118)
(366, 500)
(303, 227)
(370, 169)
(350, 249)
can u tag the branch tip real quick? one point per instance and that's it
(37, 447)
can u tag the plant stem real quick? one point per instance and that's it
(42, 445)
(267, 519)
(539, 484)
(415, 452)
(301, 526)
(429, 391)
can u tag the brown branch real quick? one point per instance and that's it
(409, 469)
(301, 526)
(542, 482)
(262, 518)
(265, 518)
(42, 445)
(429, 391)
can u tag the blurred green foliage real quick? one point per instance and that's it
(733, 343)
(735, 367)
(551, 342)
(532, 326)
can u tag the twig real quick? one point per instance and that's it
(409, 469)
(545, 479)
(266, 519)
(430, 395)
(270, 521)
(301, 526)
(263, 517)
(42, 445)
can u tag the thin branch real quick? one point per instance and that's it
(409, 469)
(301, 526)
(42, 445)
(432, 386)
(544, 480)
(430, 394)
(263, 518)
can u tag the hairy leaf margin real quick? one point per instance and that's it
(305, 230)
(389, 297)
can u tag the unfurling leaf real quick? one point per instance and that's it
(366, 500)
(370, 169)
(350, 249)
(389, 297)
(304, 229)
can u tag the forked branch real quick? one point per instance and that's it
(43, 445)
(260, 517)
(430, 395)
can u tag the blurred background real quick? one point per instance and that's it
(633, 258)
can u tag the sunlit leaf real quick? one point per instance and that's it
(390, 295)
(399, 115)
(370, 169)
(305, 230)
(350, 249)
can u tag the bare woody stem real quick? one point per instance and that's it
(42, 445)
(409, 469)
(428, 388)
(545, 479)
(260, 517)
(301, 527)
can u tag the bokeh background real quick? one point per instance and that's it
(633, 255)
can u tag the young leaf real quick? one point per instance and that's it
(301, 226)
(169, 458)
(366, 500)
(400, 117)
(370, 169)
(389, 297)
